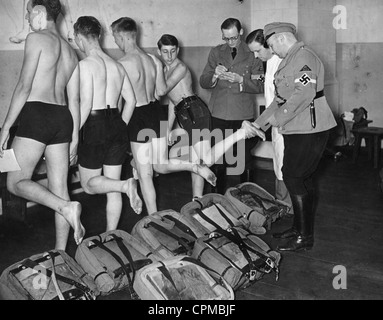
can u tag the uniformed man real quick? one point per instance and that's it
(303, 117)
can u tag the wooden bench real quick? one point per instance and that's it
(373, 137)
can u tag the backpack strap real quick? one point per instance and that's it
(133, 294)
(224, 216)
(234, 236)
(183, 227)
(168, 276)
(37, 267)
(185, 243)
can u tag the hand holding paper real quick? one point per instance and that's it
(8, 161)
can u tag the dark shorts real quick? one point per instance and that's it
(103, 140)
(193, 114)
(47, 123)
(145, 123)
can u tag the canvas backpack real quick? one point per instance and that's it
(257, 205)
(112, 260)
(239, 256)
(168, 233)
(52, 275)
(181, 278)
(215, 207)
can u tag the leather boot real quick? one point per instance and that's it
(304, 223)
(287, 234)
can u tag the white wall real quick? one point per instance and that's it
(364, 21)
(195, 23)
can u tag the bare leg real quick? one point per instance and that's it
(22, 34)
(28, 152)
(163, 165)
(110, 184)
(68, 20)
(198, 182)
(142, 154)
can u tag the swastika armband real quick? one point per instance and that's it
(305, 80)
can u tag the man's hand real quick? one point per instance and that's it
(251, 131)
(220, 70)
(232, 77)
(156, 60)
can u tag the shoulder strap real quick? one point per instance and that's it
(180, 225)
(224, 215)
(186, 244)
(168, 276)
(133, 294)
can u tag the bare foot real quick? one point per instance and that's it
(205, 173)
(130, 189)
(72, 212)
(20, 37)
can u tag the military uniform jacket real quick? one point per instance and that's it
(298, 80)
(232, 101)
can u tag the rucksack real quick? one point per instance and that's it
(52, 275)
(181, 278)
(112, 260)
(239, 256)
(168, 233)
(257, 205)
(217, 208)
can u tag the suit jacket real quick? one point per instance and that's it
(231, 101)
(300, 76)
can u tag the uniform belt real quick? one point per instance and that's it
(185, 101)
(104, 112)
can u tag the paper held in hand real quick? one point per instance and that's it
(9, 162)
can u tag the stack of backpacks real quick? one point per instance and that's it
(207, 251)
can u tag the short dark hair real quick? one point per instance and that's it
(88, 26)
(167, 40)
(257, 36)
(53, 8)
(230, 23)
(124, 24)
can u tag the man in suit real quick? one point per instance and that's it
(232, 74)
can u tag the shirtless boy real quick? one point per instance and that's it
(47, 123)
(104, 143)
(151, 154)
(191, 112)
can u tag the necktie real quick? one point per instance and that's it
(234, 52)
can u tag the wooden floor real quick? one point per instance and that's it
(348, 233)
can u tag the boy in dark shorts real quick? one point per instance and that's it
(104, 142)
(149, 147)
(191, 112)
(46, 97)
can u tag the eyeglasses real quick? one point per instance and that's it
(230, 39)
